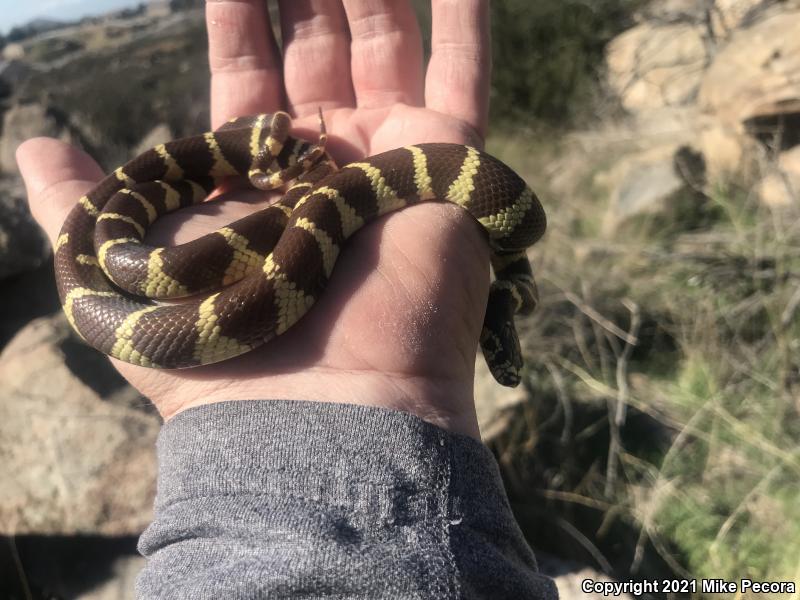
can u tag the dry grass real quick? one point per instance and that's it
(661, 435)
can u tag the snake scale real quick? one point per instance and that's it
(253, 279)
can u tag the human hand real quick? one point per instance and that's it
(399, 323)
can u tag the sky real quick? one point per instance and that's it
(16, 12)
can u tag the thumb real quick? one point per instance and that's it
(55, 175)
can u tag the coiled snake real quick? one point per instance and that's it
(271, 266)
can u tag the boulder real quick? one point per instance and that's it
(729, 15)
(721, 16)
(643, 191)
(23, 245)
(653, 66)
(780, 187)
(642, 184)
(756, 74)
(13, 51)
(77, 444)
(725, 150)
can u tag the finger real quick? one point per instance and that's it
(459, 72)
(244, 60)
(316, 56)
(386, 52)
(55, 175)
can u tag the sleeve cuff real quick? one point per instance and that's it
(413, 498)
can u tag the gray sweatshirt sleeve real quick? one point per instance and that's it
(287, 499)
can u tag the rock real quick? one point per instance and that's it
(722, 16)
(158, 135)
(729, 15)
(493, 401)
(23, 245)
(640, 185)
(675, 11)
(724, 149)
(756, 74)
(569, 576)
(669, 124)
(789, 161)
(663, 127)
(645, 187)
(654, 66)
(122, 582)
(158, 9)
(780, 188)
(78, 450)
(662, 70)
(22, 122)
(13, 51)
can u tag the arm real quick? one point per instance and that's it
(275, 499)
(396, 329)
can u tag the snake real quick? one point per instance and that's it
(252, 280)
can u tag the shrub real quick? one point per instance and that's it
(548, 56)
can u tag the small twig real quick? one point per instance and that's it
(600, 335)
(616, 419)
(580, 342)
(592, 428)
(587, 544)
(603, 390)
(756, 440)
(665, 554)
(574, 498)
(713, 550)
(749, 372)
(563, 398)
(609, 518)
(599, 319)
(23, 578)
(787, 316)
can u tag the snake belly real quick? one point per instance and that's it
(271, 267)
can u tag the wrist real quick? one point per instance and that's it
(445, 402)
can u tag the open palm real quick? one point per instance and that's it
(399, 323)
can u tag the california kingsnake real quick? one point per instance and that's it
(271, 265)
